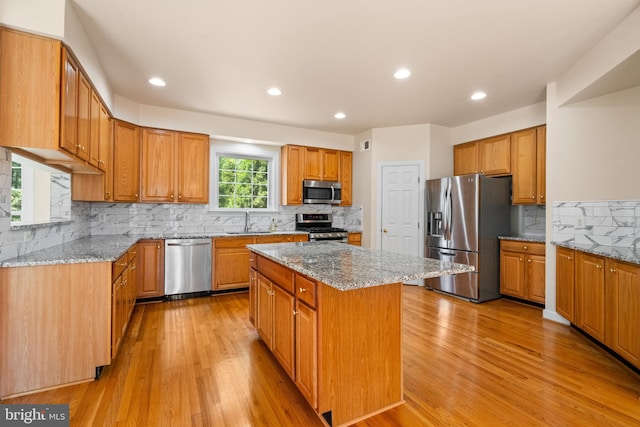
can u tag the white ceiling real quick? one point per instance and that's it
(220, 56)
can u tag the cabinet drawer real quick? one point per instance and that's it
(233, 242)
(277, 273)
(253, 260)
(274, 239)
(119, 265)
(133, 252)
(523, 247)
(306, 290)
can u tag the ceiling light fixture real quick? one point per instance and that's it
(340, 115)
(402, 73)
(478, 96)
(274, 91)
(157, 81)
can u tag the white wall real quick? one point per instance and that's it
(363, 184)
(440, 152)
(40, 16)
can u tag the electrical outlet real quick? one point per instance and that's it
(580, 222)
(28, 235)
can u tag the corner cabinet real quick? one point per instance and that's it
(126, 162)
(299, 163)
(491, 157)
(601, 296)
(522, 270)
(529, 166)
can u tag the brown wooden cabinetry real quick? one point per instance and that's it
(150, 268)
(522, 270)
(345, 177)
(306, 348)
(175, 167)
(528, 156)
(491, 156)
(291, 174)
(330, 165)
(123, 296)
(126, 162)
(465, 158)
(69, 103)
(355, 239)
(565, 283)
(84, 118)
(601, 296)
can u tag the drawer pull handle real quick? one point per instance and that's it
(303, 290)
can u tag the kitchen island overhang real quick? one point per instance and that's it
(331, 314)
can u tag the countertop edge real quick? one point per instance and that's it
(614, 252)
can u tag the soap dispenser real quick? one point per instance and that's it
(273, 224)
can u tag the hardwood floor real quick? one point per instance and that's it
(198, 362)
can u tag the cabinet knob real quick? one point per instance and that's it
(179, 196)
(542, 196)
(613, 270)
(295, 312)
(528, 260)
(598, 266)
(303, 290)
(525, 247)
(520, 259)
(533, 197)
(158, 246)
(171, 196)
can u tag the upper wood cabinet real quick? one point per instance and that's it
(491, 156)
(175, 167)
(299, 163)
(529, 169)
(126, 162)
(69, 103)
(84, 118)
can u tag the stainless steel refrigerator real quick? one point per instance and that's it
(465, 215)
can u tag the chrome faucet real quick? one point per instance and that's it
(246, 221)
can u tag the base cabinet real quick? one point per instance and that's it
(522, 270)
(601, 296)
(150, 269)
(331, 342)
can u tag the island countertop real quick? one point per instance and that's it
(345, 267)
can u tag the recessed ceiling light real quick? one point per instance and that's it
(157, 81)
(340, 115)
(402, 73)
(274, 91)
(478, 96)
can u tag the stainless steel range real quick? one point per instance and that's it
(319, 226)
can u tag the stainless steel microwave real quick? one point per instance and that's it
(326, 192)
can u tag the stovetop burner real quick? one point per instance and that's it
(318, 224)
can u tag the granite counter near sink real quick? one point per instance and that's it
(525, 238)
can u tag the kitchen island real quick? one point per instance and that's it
(331, 314)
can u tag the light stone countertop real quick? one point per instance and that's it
(615, 252)
(108, 248)
(346, 267)
(525, 238)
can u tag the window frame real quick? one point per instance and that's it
(245, 151)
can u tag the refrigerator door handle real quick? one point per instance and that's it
(447, 211)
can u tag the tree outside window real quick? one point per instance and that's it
(243, 183)
(16, 191)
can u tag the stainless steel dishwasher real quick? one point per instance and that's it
(187, 266)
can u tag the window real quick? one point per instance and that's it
(243, 177)
(39, 194)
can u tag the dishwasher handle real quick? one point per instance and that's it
(189, 244)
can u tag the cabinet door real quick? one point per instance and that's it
(69, 103)
(231, 268)
(355, 239)
(465, 158)
(565, 286)
(345, 177)
(193, 168)
(590, 294)
(535, 281)
(292, 157)
(94, 131)
(132, 284)
(512, 274)
(116, 320)
(84, 118)
(622, 310)
(312, 163)
(307, 352)
(253, 295)
(541, 164)
(150, 268)
(158, 175)
(126, 162)
(524, 157)
(264, 310)
(330, 165)
(282, 344)
(104, 138)
(494, 155)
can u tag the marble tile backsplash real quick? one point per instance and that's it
(605, 223)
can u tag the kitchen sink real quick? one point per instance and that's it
(248, 232)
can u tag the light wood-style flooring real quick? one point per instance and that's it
(199, 362)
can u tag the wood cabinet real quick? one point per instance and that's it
(339, 349)
(590, 294)
(529, 168)
(175, 167)
(522, 270)
(123, 296)
(622, 309)
(300, 163)
(345, 177)
(355, 239)
(126, 162)
(84, 118)
(490, 156)
(69, 103)
(150, 269)
(601, 296)
(565, 283)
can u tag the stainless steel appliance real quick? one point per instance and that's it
(319, 226)
(187, 266)
(464, 216)
(327, 192)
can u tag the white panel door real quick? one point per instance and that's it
(401, 232)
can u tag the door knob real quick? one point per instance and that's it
(384, 230)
